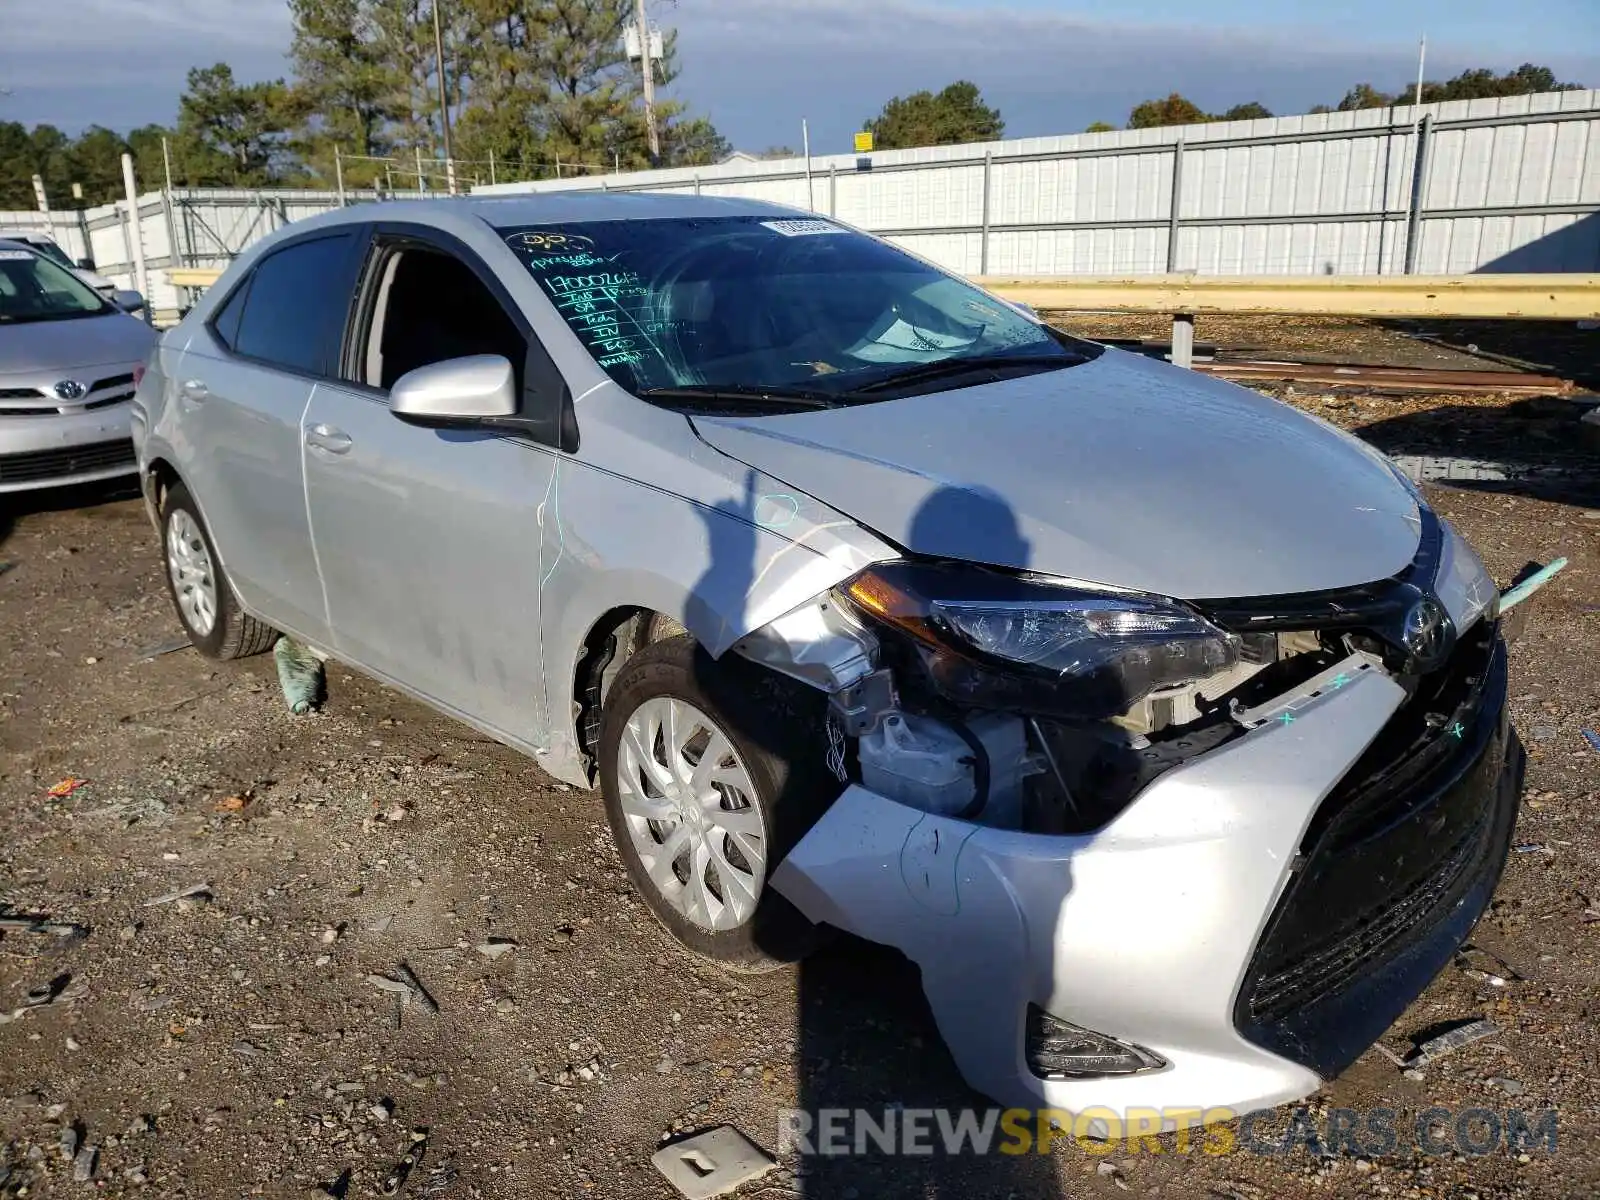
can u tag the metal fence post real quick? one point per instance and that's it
(983, 243)
(833, 189)
(338, 174)
(172, 244)
(1173, 209)
(1419, 183)
(83, 232)
(1182, 323)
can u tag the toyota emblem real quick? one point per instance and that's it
(69, 389)
(1428, 633)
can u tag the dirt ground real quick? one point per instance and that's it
(230, 1044)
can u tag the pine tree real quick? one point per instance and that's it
(345, 85)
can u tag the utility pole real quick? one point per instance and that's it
(444, 103)
(1422, 57)
(648, 67)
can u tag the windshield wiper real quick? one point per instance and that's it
(744, 393)
(963, 365)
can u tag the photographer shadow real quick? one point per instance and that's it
(866, 1039)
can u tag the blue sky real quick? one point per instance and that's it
(757, 66)
(1552, 22)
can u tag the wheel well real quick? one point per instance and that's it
(154, 485)
(158, 479)
(612, 640)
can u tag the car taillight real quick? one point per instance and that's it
(138, 374)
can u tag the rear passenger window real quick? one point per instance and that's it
(295, 310)
(226, 323)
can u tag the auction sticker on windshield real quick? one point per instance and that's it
(801, 227)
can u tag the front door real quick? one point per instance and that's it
(429, 539)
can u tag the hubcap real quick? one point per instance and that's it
(690, 807)
(189, 564)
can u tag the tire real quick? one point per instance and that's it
(773, 779)
(201, 594)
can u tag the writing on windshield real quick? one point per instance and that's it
(610, 311)
(762, 301)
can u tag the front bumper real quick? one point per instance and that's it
(1163, 927)
(64, 448)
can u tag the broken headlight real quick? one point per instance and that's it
(1025, 643)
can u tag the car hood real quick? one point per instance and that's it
(33, 347)
(1123, 471)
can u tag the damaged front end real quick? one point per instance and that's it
(1151, 852)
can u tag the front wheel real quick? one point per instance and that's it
(710, 777)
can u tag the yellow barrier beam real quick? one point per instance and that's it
(1494, 297)
(195, 277)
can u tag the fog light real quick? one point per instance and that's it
(1057, 1049)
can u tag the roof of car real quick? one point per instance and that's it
(536, 208)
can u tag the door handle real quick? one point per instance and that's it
(194, 390)
(326, 437)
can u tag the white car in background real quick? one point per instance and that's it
(46, 245)
(70, 359)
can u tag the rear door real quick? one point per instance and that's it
(242, 388)
(429, 539)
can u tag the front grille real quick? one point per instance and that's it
(52, 407)
(1403, 851)
(112, 381)
(40, 465)
(1332, 964)
(107, 401)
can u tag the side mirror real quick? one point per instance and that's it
(86, 264)
(127, 300)
(459, 391)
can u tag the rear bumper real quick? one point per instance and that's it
(49, 451)
(1156, 928)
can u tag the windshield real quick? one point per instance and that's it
(795, 306)
(32, 288)
(51, 251)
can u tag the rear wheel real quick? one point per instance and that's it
(709, 779)
(200, 591)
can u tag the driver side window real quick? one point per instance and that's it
(431, 307)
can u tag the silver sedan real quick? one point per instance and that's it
(69, 360)
(1161, 724)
